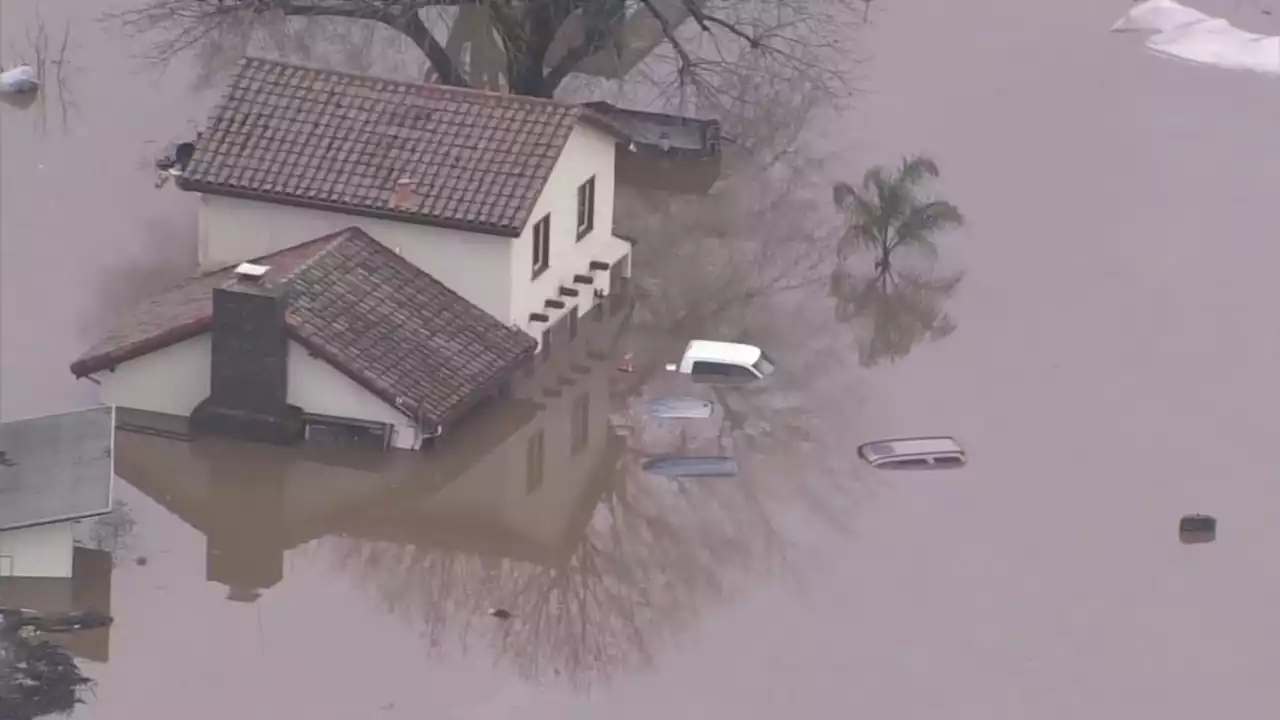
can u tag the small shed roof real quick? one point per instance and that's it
(56, 468)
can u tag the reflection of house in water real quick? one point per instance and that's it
(519, 480)
(88, 588)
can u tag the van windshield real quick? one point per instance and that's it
(764, 365)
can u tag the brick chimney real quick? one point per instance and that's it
(249, 364)
(404, 197)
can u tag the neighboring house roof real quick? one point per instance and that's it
(298, 135)
(695, 136)
(56, 468)
(358, 305)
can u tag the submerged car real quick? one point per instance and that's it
(681, 408)
(684, 466)
(924, 453)
(716, 361)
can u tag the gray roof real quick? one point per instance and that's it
(56, 467)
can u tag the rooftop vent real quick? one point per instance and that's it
(251, 272)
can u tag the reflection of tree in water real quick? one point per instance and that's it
(649, 559)
(47, 52)
(895, 309)
(37, 676)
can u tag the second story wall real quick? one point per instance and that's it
(588, 153)
(476, 266)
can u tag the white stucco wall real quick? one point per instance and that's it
(42, 551)
(175, 379)
(474, 265)
(588, 152)
(172, 380)
(495, 273)
(318, 387)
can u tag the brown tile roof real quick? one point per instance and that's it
(291, 134)
(363, 309)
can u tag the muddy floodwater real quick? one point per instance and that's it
(1113, 368)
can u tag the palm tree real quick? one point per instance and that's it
(894, 310)
(887, 213)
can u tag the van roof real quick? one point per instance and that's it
(910, 446)
(726, 351)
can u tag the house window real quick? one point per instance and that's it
(542, 245)
(586, 207)
(546, 342)
(535, 453)
(573, 323)
(580, 430)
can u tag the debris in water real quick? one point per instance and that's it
(1197, 528)
(500, 613)
(141, 560)
(19, 80)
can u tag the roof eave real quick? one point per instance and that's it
(200, 186)
(90, 364)
(54, 521)
(488, 386)
(598, 121)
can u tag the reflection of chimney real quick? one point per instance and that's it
(404, 197)
(245, 533)
(248, 371)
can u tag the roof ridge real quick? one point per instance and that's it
(577, 108)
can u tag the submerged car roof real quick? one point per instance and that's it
(726, 351)
(911, 446)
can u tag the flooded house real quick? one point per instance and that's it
(340, 336)
(409, 247)
(55, 471)
(519, 483)
(672, 153)
(507, 200)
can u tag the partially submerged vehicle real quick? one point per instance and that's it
(1197, 528)
(922, 453)
(714, 361)
(684, 466)
(681, 408)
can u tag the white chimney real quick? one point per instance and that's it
(250, 272)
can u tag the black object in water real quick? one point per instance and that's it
(1197, 528)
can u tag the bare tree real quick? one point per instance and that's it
(48, 53)
(539, 43)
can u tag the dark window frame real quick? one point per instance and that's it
(573, 323)
(541, 245)
(587, 207)
(535, 456)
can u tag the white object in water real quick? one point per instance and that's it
(1191, 35)
(21, 79)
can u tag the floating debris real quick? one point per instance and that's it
(500, 613)
(21, 80)
(1197, 528)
